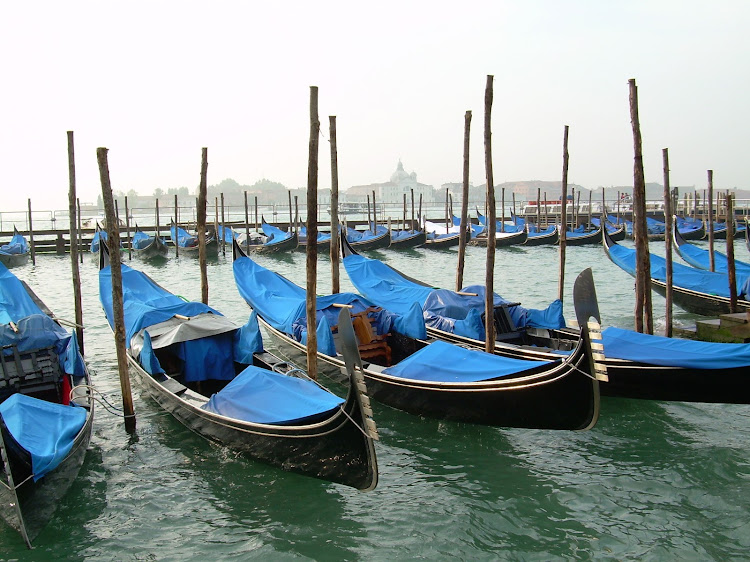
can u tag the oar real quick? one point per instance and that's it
(352, 359)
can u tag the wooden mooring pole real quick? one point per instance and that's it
(644, 320)
(489, 301)
(201, 220)
(668, 220)
(176, 224)
(223, 227)
(730, 255)
(464, 226)
(74, 234)
(247, 225)
(127, 229)
(334, 247)
(31, 237)
(312, 235)
(113, 240)
(710, 223)
(563, 217)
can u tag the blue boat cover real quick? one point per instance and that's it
(282, 304)
(98, 235)
(701, 258)
(142, 240)
(144, 302)
(672, 352)
(399, 235)
(322, 236)
(275, 234)
(442, 309)
(357, 236)
(182, 238)
(261, 396)
(44, 429)
(226, 233)
(443, 362)
(509, 227)
(17, 245)
(682, 276)
(534, 230)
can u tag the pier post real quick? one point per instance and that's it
(710, 225)
(563, 217)
(732, 273)
(31, 237)
(668, 219)
(113, 240)
(201, 220)
(489, 301)
(223, 227)
(80, 238)
(334, 247)
(462, 237)
(247, 225)
(127, 229)
(74, 233)
(643, 312)
(312, 234)
(176, 223)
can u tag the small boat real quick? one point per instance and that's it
(435, 379)
(583, 237)
(16, 252)
(215, 378)
(401, 239)
(616, 232)
(270, 241)
(46, 409)
(699, 292)
(99, 235)
(547, 237)
(701, 259)
(659, 368)
(187, 244)
(503, 239)
(147, 247)
(370, 239)
(324, 240)
(690, 228)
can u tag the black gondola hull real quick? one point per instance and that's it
(548, 239)
(564, 398)
(14, 260)
(511, 239)
(382, 241)
(285, 245)
(443, 243)
(594, 237)
(415, 240)
(333, 448)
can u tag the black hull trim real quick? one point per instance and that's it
(543, 239)
(590, 238)
(514, 239)
(415, 240)
(382, 241)
(333, 449)
(443, 243)
(564, 397)
(285, 245)
(14, 260)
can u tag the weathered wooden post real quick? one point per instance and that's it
(201, 220)
(374, 214)
(489, 301)
(403, 223)
(334, 248)
(447, 220)
(157, 228)
(113, 240)
(296, 213)
(643, 310)
(31, 237)
(464, 232)
(668, 219)
(312, 234)
(564, 217)
(539, 208)
(247, 224)
(176, 223)
(369, 222)
(730, 255)
(291, 217)
(502, 209)
(412, 208)
(590, 202)
(257, 227)
(127, 229)
(546, 213)
(710, 224)
(74, 234)
(216, 217)
(223, 227)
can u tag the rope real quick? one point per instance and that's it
(108, 407)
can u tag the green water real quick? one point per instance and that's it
(652, 480)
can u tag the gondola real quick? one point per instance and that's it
(16, 252)
(547, 237)
(369, 239)
(720, 230)
(573, 238)
(271, 241)
(701, 258)
(503, 239)
(187, 244)
(441, 238)
(323, 244)
(693, 290)
(616, 231)
(634, 365)
(148, 247)
(46, 409)
(401, 239)
(690, 229)
(215, 378)
(435, 379)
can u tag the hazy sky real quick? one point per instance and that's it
(155, 81)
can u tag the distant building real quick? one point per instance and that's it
(392, 191)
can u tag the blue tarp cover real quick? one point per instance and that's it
(321, 235)
(144, 302)
(701, 258)
(357, 236)
(442, 309)
(98, 235)
(17, 245)
(142, 240)
(182, 238)
(275, 234)
(15, 302)
(443, 362)
(682, 275)
(672, 352)
(404, 234)
(262, 396)
(44, 429)
(227, 233)
(281, 303)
